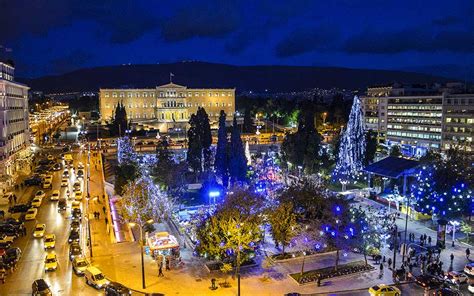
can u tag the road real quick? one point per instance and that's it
(31, 266)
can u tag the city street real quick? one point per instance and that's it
(31, 266)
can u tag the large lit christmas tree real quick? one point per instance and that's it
(352, 147)
(125, 152)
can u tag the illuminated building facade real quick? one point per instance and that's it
(166, 106)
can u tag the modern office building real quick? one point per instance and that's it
(420, 117)
(14, 128)
(166, 106)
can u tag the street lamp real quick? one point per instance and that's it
(132, 224)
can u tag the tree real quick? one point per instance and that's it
(364, 236)
(302, 149)
(142, 201)
(395, 151)
(352, 147)
(238, 162)
(222, 158)
(248, 122)
(371, 148)
(205, 137)
(283, 224)
(124, 173)
(167, 172)
(119, 123)
(444, 187)
(194, 155)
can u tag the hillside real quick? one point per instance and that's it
(244, 78)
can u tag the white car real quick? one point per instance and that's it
(456, 277)
(36, 202)
(471, 288)
(40, 194)
(39, 230)
(55, 195)
(51, 262)
(469, 269)
(64, 182)
(31, 214)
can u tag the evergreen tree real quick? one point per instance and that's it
(194, 155)
(352, 147)
(371, 140)
(395, 151)
(221, 163)
(205, 137)
(238, 162)
(119, 122)
(248, 122)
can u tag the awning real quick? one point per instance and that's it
(392, 167)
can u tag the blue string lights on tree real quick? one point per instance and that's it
(448, 196)
(125, 152)
(352, 147)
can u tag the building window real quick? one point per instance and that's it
(106, 95)
(122, 95)
(114, 95)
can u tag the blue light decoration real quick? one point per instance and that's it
(214, 194)
(449, 199)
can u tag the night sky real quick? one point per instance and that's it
(56, 36)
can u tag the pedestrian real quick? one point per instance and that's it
(98, 215)
(389, 262)
(468, 253)
(10, 199)
(452, 257)
(383, 260)
(160, 269)
(213, 284)
(319, 280)
(106, 221)
(14, 198)
(24, 231)
(429, 240)
(168, 264)
(452, 245)
(103, 209)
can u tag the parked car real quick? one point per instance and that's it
(470, 288)
(76, 214)
(469, 269)
(75, 224)
(456, 277)
(31, 214)
(51, 262)
(19, 208)
(40, 287)
(13, 255)
(73, 236)
(4, 238)
(36, 202)
(74, 250)
(40, 194)
(39, 230)
(33, 181)
(428, 282)
(95, 278)
(79, 265)
(116, 289)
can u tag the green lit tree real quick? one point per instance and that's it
(283, 224)
(237, 159)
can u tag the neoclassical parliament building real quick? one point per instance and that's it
(166, 106)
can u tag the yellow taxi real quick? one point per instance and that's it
(49, 241)
(51, 262)
(384, 290)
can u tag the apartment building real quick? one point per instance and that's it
(14, 129)
(420, 118)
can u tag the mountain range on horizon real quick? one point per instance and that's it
(212, 75)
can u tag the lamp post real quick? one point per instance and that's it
(454, 224)
(406, 227)
(132, 224)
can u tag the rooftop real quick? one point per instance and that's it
(392, 167)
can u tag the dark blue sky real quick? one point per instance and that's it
(56, 36)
